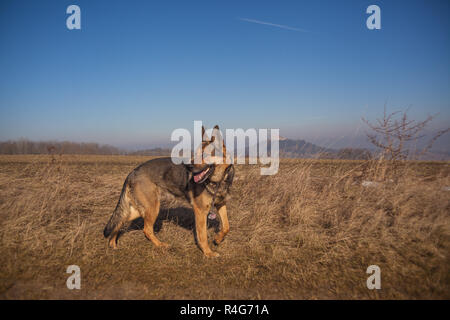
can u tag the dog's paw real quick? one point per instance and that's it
(164, 245)
(112, 245)
(218, 239)
(212, 254)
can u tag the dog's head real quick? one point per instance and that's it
(214, 160)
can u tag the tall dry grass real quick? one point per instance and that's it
(309, 231)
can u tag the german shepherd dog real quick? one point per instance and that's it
(204, 185)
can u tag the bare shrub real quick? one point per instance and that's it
(395, 133)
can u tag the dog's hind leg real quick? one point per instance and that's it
(149, 220)
(150, 214)
(225, 227)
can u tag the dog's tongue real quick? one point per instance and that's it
(199, 176)
(212, 216)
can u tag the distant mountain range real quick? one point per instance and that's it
(301, 148)
(288, 149)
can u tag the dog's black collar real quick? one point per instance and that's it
(213, 192)
(211, 186)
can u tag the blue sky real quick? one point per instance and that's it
(139, 69)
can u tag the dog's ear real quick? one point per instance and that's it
(204, 135)
(215, 131)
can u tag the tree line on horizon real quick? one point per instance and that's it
(25, 146)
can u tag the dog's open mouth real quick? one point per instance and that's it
(202, 175)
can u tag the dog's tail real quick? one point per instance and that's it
(119, 215)
(114, 223)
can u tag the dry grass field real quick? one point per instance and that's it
(308, 232)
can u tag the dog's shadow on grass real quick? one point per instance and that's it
(181, 216)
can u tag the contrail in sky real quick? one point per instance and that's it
(272, 24)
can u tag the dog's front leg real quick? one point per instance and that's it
(225, 227)
(200, 227)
